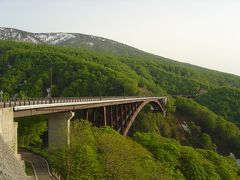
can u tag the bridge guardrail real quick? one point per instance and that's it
(38, 101)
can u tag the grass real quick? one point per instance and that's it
(29, 169)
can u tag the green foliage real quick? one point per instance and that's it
(225, 167)
(30, 130)
(104, 154)
(224, 134)
(205, 142)
(187, 163)
(148, 121)
(25, 72)
(28, 168)
(79, 160)
(190, 164)
(224, 101)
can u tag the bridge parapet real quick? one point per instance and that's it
(55, 100)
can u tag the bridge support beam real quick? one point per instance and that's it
(8, 129)
(59, 129)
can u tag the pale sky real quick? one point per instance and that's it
(200, 32)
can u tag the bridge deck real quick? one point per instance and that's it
(46, 106)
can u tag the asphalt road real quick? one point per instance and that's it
(40, 165)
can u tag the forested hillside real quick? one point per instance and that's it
(224, 101)
(25, 71)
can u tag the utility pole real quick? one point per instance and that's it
(100, 92)
(100, 87)
(51, 78)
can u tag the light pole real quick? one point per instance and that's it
(1, 94)
(100, 87)
(49, 89)
(51, 79)
(25, 88)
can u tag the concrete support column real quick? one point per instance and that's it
(121, 117)
(59, 129)
(104, 116)
(8, 129)
(85, 114)
(111, 116)
(117, 116)
(94, 116)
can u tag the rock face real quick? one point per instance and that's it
(11, 168)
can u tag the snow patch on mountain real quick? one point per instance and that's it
(54, 38)
(90, 43)
(101, 39)
(31, 39)
(13, 34)
(49, 38)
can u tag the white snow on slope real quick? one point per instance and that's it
(49, 38)
(90, 43)
(54, 38)
(13, 34)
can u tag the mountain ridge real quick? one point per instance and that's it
(91, 42)
(76, 40)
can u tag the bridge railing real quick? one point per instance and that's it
(55, 100)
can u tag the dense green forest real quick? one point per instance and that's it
(224, 101)
(184, 145)
(102, 153)
(25, 71)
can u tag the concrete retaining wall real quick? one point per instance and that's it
(11, 166)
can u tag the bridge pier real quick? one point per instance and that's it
(59, 129)
(8, 129)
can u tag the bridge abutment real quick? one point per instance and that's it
(59, 129)
(8, 129)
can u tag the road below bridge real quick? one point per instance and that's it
(40, 165)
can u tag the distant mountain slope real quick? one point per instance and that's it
(17, 35)
(75, 40)
(143, 63)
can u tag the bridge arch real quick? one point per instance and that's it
(155, 104)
